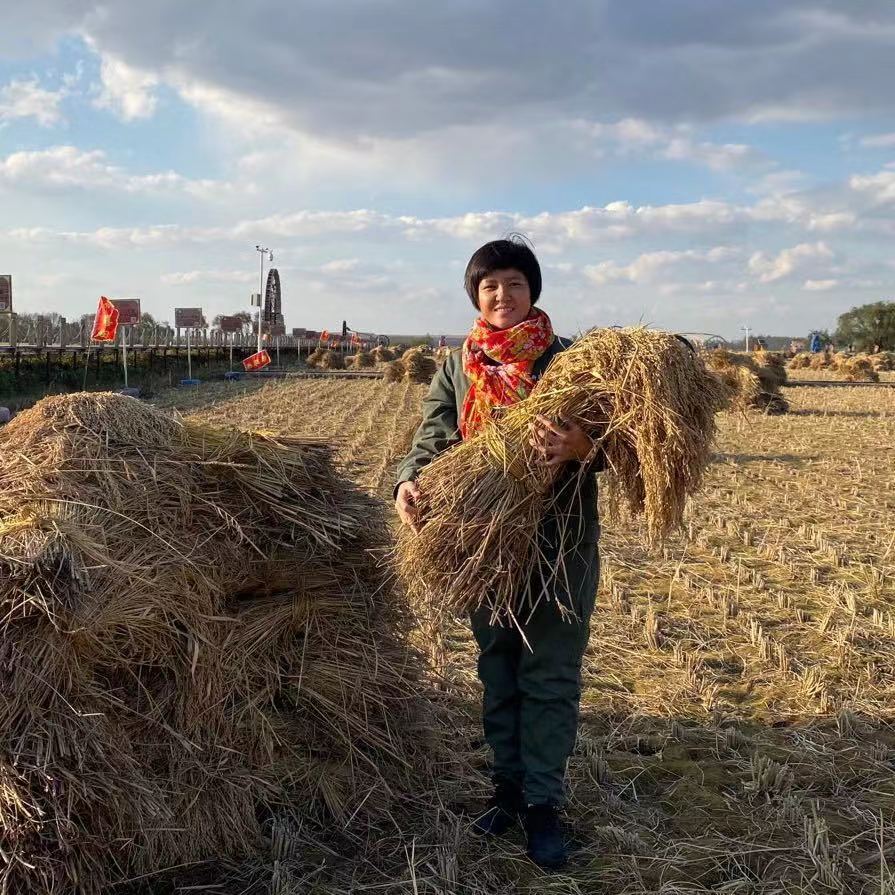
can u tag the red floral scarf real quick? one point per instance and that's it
(507, 381)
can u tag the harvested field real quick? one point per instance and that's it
(739, 688)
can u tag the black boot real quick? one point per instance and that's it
(503, 810)
(546, 844)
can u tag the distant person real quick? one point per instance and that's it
(531, 696)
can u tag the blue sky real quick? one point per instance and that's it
(696, 166)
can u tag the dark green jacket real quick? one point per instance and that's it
(439, 430)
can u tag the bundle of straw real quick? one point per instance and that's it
(800, 361)
(419, 367)
(192, 635)
(819, 361)
(748, 384)
(393, 371)
(772, 367)
(859, 368)
(442, 354)
(383, 355)
(315, 357)
(883, 361)
(363, 360)
(332, 360)
(649, 402)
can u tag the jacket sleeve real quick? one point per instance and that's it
(439, 429)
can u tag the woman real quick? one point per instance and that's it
(531, 695)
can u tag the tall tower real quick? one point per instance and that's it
(273, 299)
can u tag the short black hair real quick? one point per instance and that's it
(501, 254)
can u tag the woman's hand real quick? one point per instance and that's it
(406, 504)
(559, 442)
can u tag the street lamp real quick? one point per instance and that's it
(746, 330)
(262, 251)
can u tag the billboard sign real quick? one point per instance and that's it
(256, 362)
(188, 318)
(5, 293)
(128, 310)
(231, 324)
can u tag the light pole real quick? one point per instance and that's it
(746, 330)
(262, 251)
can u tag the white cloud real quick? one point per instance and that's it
(879, 141)
(67, 167)
(820, 285)
(191, 277)
(770, 268)
(27, 99)
(126, 91)
(652, 267)
(878, 188)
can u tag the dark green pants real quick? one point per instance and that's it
(531, 696)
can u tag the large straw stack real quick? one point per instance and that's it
(647, 398)
(191, 637)
(749, 384)
(820, 361)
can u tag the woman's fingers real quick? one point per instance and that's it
(406, 504)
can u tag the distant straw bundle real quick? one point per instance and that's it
(749, 385)
(883, 361)
(383, 355)
(363, 360)
(419, 367)
(332, 360)
(800, 361)
(191, 637)
(859, 369)
(839, 361)
(393, 371)
(315, 357)
(442, 354)
(643, 394)
(820, 360)
(772, 367)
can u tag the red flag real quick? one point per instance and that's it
(256, 362)
(105, 324)
(324, 336)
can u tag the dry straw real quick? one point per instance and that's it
(393, 371)
(419, 367)
(800, 361)
(191, 636)
(383, 355)
(649, 402)
(315, 357)
(363, 360)
(332, 360)
(751, 384)
(859, 368)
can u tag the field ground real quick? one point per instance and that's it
(739, 686)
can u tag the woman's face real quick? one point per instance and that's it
(504, 298)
